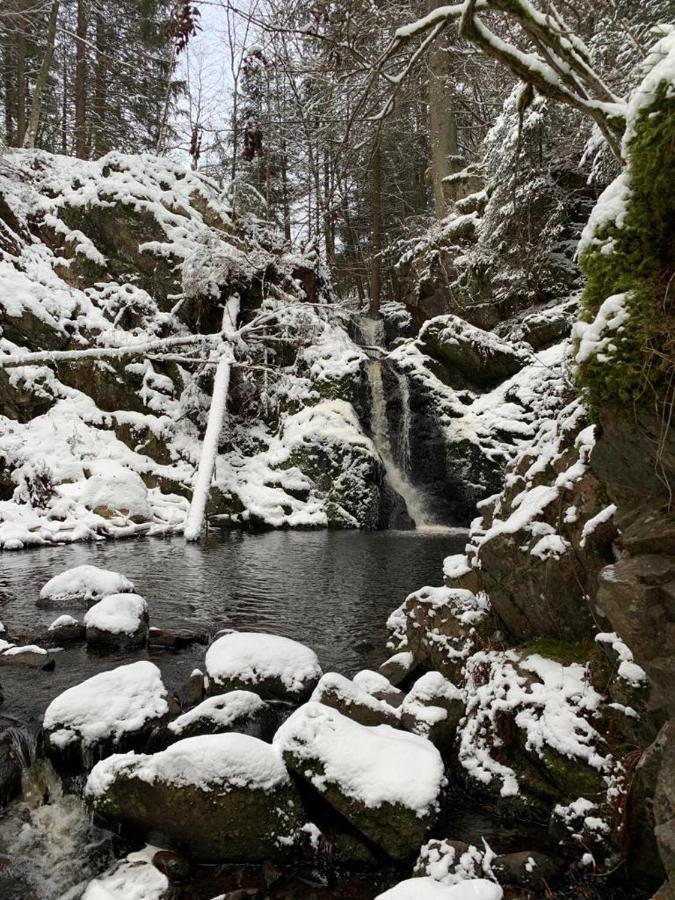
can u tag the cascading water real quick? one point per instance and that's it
(372, 333)
(47, 834)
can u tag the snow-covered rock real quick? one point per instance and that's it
(84, 583)
(237, 711)
(225, 797)
(113, 489)
(118, 620)
(386, 782)
(427, 889)
(348, 698)
(273, 666)
(129, 881)
(109, 710)
(433, 708)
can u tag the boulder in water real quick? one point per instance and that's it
(65, 630)
(386, 782)
(275, 667)
(109, 711)
(118, 620)
(221, 797)
(86, 584)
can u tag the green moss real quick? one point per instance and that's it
(564, 652)
(639, 264)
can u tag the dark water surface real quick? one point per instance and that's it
(331, 590)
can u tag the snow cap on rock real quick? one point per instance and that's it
(84, 583)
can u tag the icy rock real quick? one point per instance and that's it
(129, 881)
(397, 668)
(222, 797)
(84, 583)
(428, 889)
(118, 620)
(346, 697)
(275, 667)
(385, 782)
(240, 711)
(433, 708)
(111, 710)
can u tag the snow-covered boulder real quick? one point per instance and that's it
(441, 626)
(240, 711)
(275, 667)
(64, 630)
(223, 797)
(111, 710)
(84, 583)
(348, 698)
(397, 668)
(433, 708)
(113, 489)
(29, 655)
(428, 889)
(129, 881)
(118, 620)
(385, 782)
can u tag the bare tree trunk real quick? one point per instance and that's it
(442, 122)
(43, 74)
(376, 241)
(9, 78)
(81, 81)
(20, 94)
(64, 103)
(284, 192)
(100, 88)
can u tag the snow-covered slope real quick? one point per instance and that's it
(112, 279)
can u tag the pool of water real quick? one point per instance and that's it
(331, 590)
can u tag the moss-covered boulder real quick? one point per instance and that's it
(387, 783)
(221, 798)
(479, 356)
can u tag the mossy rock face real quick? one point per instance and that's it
(218, 825)
(396, 829)
(635, 260)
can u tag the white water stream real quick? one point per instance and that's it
(372, 331)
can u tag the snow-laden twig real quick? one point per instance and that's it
(221, 384)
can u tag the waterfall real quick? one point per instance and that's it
(404, 433)
(372, 333)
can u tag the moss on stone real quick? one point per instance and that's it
(636, 259)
